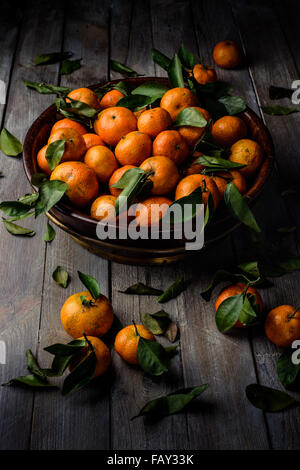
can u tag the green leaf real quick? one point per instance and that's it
(172, 403)
(135, 102)
(69, 66)
(49, 234)
(91, 284)
(133, 182)
(209, 210)
(54, 153)
(81, 375)
(161, 59)
(151, 89)
(173, 291)
(58, 367)
(60, 276)
(278, 110)
(228, 312)
(152, 357)
(9, 144)
(250, 310)
(38, 179)
(34, 367)
(233, 104)
(188, 206)
(287, 371)
(50, 192)
(29, 199)
(187, 58)
(216, 163)
(157, 322)
(278, 92)
(238, 207)
(216, 89)
(15, 229)
(14, 209)
(64, 350)
(76, 107)
(175, 72)
(51, 58)
(268, 399)
(219, 276)
(123, 69)
(190, 117)
(141, 289)
(47, 89)
(30, 380)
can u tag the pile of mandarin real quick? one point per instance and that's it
(92, 163)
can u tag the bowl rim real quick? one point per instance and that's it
(65, 208)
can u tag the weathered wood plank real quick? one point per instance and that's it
(22, 271)
(266, 69)
(132, 388)
(207, 355)
(80, 421)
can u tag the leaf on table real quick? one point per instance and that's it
(269, 399)
(152, 357)
(288, 367)
(91, 284)
(9, 144)
(141, 289)
(29, 380)
(81, 375)
(70, 66)
(157, 322)
(29, 199)
(47, 88)
(173, 291)
(69, 349)
(52, 57)
(49, 234)
(172, 403)
(34, 367)
(171, 332)
(15, 229)
(61, 276)
(278, 92)
(15, 209)
(278, 110)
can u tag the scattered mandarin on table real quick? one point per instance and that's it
(101, 351)
(81, 313)
(236, 289)
(282, 325)
(127, 340)
(227, 54)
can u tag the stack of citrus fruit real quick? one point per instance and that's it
(152, 139)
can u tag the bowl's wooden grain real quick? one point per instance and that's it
(81, 224)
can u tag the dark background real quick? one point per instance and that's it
(99, 416)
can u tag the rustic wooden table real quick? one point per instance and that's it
(98, 417)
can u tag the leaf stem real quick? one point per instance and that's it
(91, 347)
(294, 313)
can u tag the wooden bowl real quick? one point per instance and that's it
(83, 228)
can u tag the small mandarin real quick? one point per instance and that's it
(114, 123)
(102, 160)
(176, 99)
(127, 340)
(133, 148)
